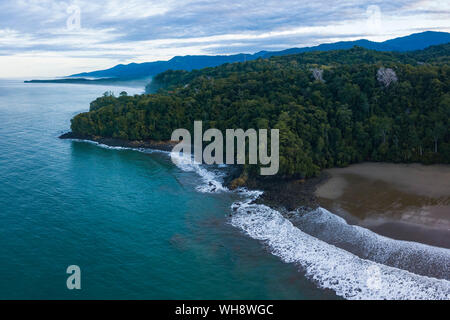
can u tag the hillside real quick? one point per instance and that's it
(332, 108)
(355, 55)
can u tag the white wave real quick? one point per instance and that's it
(412, 256)
(105, 146)
(250, 195)
(212, 181)
(330, 267)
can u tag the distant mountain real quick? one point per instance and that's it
(147, 69)
(77, 81)
(416, 41)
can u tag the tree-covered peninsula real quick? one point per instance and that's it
(332, 108)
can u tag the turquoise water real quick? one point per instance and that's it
(135, 223)
(140, 227)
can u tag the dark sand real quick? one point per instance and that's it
(405, 202)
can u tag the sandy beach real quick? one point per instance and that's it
(402, 201)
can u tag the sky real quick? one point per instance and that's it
(48, 38)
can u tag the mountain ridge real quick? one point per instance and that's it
(416, 41)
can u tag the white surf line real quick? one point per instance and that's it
(212, 181)
(416, 257)
(330, 267)
(105, 146)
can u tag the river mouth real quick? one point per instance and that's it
(403, 202)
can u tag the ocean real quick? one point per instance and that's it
(140, 227)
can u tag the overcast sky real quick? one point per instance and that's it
(44, 38)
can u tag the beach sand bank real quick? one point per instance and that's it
(401, 201)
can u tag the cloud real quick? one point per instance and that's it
(117, 31)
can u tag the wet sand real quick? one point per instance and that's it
(401, 201)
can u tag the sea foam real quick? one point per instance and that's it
(105, 146)
(331, 267)
(212, 180)
(412, 256)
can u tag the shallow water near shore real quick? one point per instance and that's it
(135, 223)
(142, 228)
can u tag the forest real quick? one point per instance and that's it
(332, 108)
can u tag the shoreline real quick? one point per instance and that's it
(113, 142)
(290, 195)
(400, 201)
(278, 192)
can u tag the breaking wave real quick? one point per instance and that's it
(331, 267)
(105, 146)
(412, 256)
(370, 267)
(212, 179)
